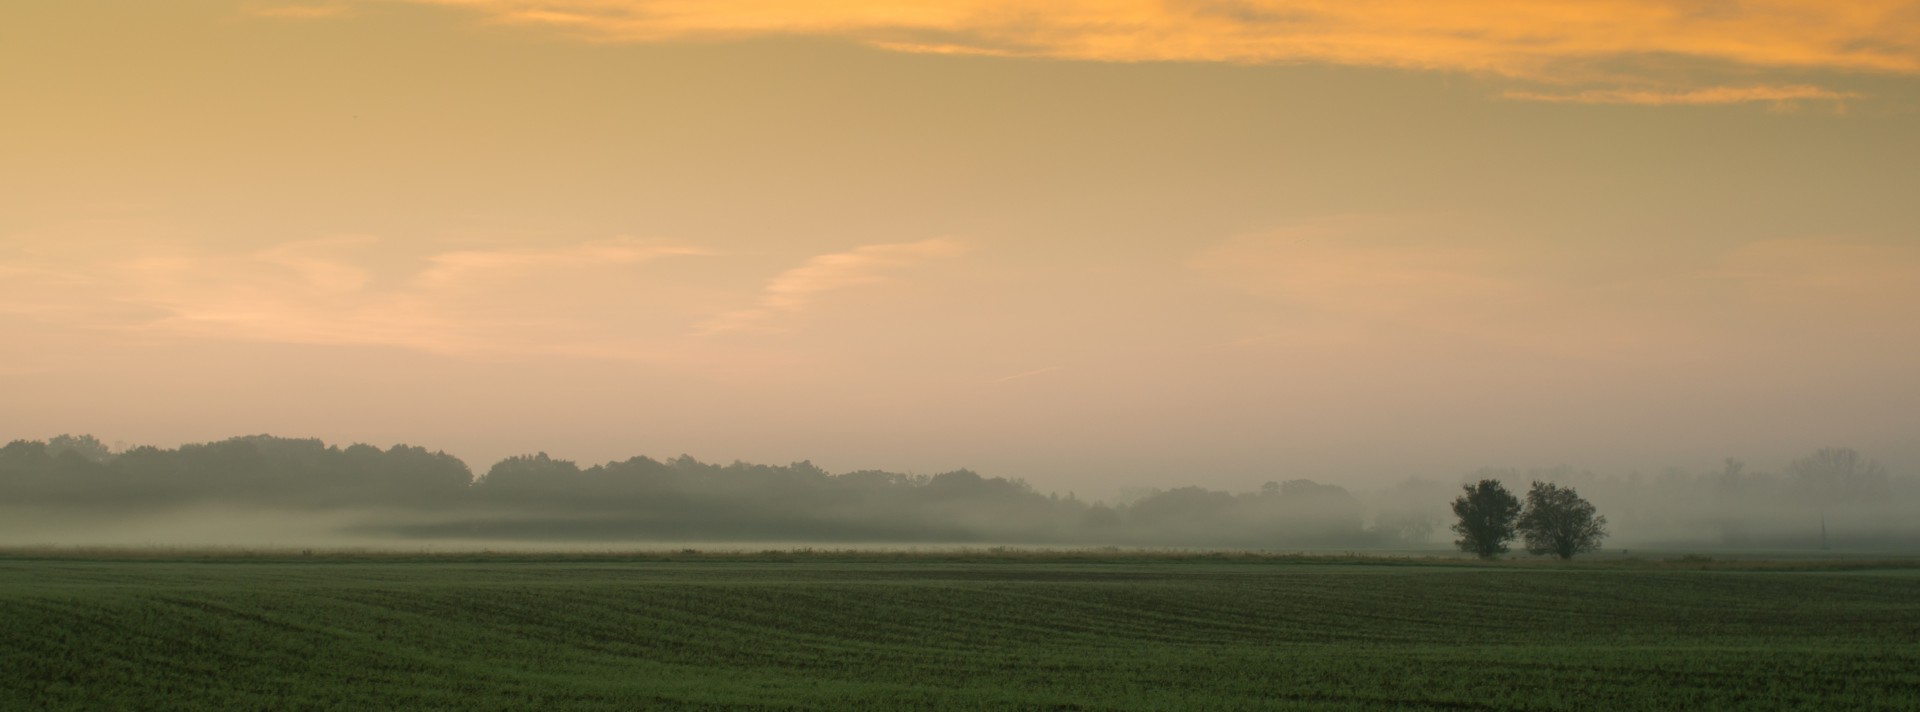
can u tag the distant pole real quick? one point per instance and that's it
(1823, 531)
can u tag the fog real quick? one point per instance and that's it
(271, 492)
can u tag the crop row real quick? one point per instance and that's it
(99, 635)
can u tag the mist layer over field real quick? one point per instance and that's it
(270, 492)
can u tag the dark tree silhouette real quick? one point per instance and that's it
(1559, 522)
(1487, 511)
(87, 446)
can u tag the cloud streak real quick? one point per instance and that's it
(1623, 42)
(1783, 96)
(321, 10)
(467, 265)
(555, 299)
(796, 289)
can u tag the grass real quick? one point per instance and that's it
(1009, 629)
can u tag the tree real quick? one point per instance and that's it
(1839, 474)
(1487, 512)
(86, 446)
(1559, 522)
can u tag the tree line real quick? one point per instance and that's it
(422, 494)
(411, 492)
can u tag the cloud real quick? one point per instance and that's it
(557, 299)
(1778, 95)
(795, 289)
(1622, 42)
(320, 10)
(315, 265)
(310, 292)
(468, 265)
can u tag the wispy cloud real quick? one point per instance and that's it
(295, 10)
(553, 299)
(1547, 42)
(797, 288)
(1784, 96)
(465, 265)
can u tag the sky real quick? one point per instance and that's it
(1095, 245)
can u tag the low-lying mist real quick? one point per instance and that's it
(263, 491)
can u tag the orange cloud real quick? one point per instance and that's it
(1778, 95)
(1527, 39)
(321, 9)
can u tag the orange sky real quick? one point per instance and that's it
(1103, 245)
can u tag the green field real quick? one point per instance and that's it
(1028, 631)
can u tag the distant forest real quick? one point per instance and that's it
(1833, 497)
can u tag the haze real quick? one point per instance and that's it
(1118, 245)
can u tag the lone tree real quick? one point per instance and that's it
(1559, 522)
(1487, 512)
